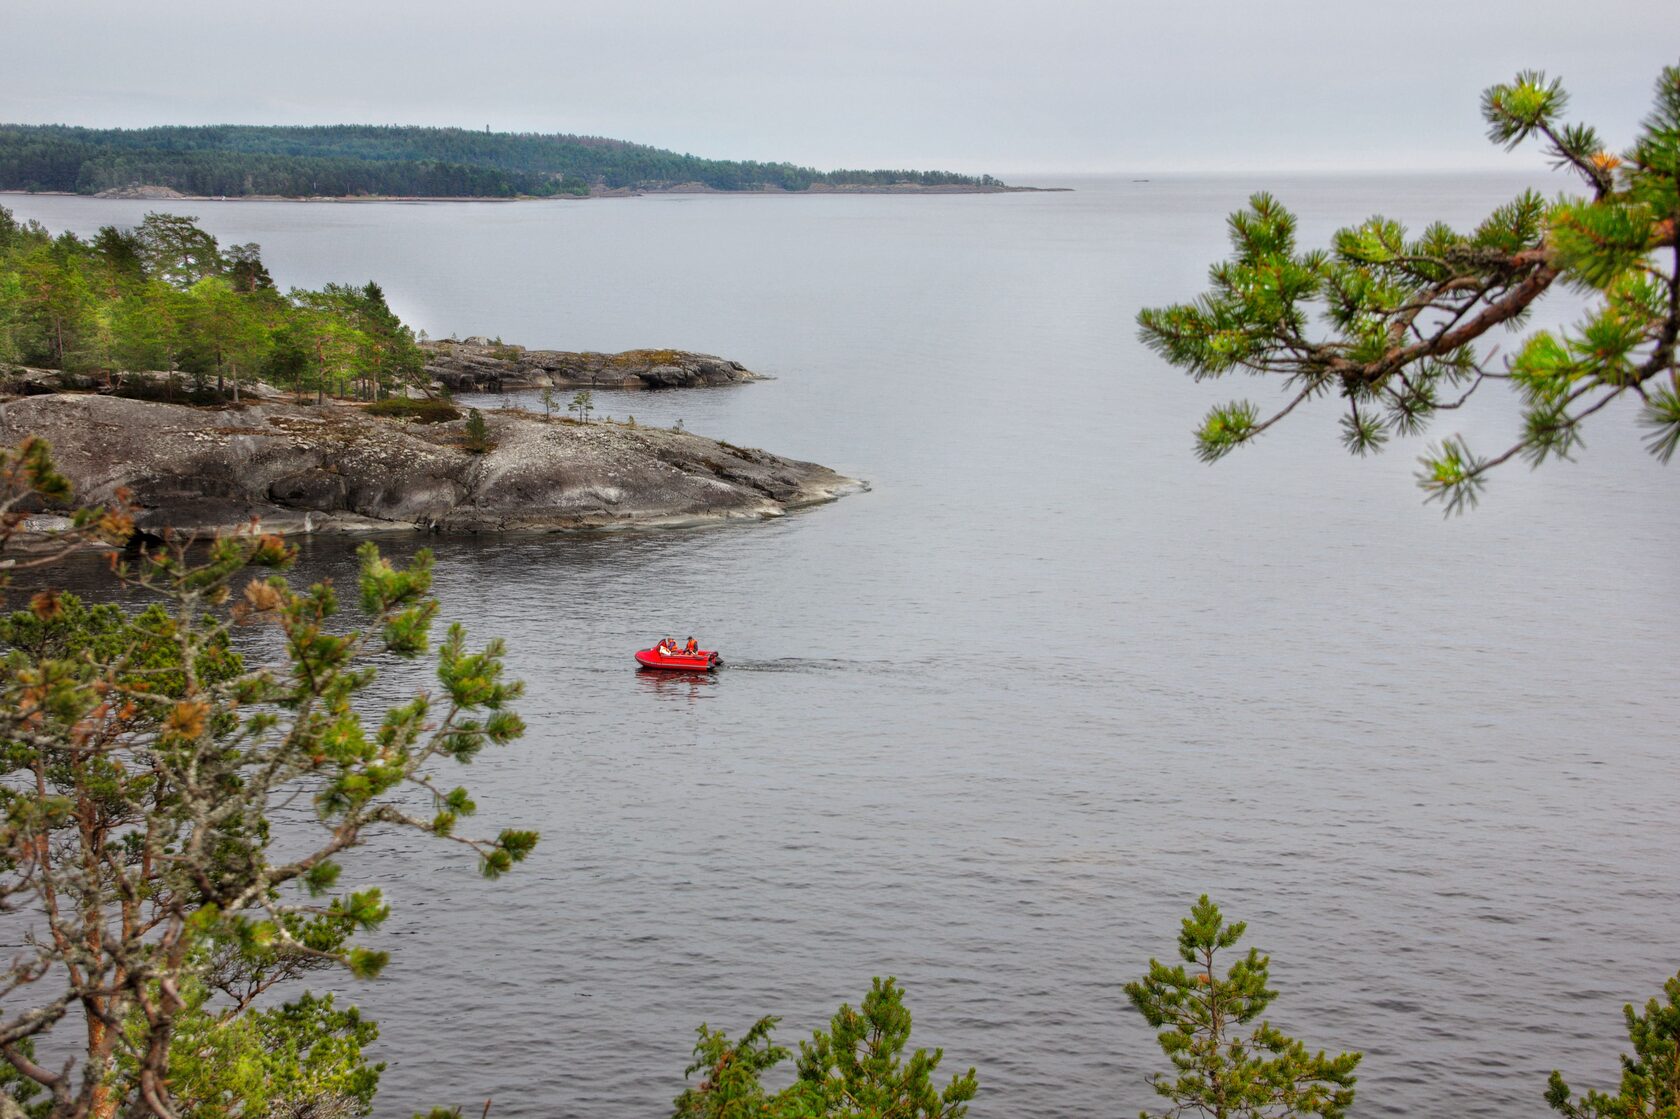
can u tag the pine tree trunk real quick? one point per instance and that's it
(103, 1104)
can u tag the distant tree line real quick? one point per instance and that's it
(347, 160)
(166, 296)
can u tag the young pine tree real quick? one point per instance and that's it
(478, 433)
(1650, 1086)
(854, 1071)
(173, 820)
(1223, 1068)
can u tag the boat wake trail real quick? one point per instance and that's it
(815, 664)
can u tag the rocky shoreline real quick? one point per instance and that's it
(478, 364)
(338, 469)
(146, 193)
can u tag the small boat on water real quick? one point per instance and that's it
(703, 660)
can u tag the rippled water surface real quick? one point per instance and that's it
(993, 725)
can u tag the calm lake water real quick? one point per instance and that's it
(992, 726)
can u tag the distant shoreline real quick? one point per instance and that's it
(165, 194)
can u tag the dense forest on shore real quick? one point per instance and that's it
(349, 160)
(166, 297)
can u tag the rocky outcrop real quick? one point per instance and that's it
(338, 469)
(21, 380)
(479, 365)
(143, 192)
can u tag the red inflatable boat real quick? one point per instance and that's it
(703, 661)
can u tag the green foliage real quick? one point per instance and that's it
(301, 1059)
(854, 1071)
(1219, 1070)
(225, 329)
(175, 250)
(29, 1097)
(141, 761)
(1225, 429)
(476, 435)
(583, 403)
(27, 471)
(1390, 323)
(419, 409)
(344, 160)
(1650, 1087)
(731, 1088)
(165, 297)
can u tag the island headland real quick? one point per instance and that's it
(339, 469)
(478, 364)
(176, 376)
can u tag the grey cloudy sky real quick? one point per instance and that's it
(972, 85)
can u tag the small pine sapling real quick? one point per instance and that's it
(1650, 1087)
(477, 434)
(1223, 1071)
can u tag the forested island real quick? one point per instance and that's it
(171, 374)
(345, 161)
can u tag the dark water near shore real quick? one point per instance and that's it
(992, 726)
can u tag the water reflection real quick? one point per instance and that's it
(666, 684)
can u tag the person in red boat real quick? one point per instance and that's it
(692, 649)
(668, 647)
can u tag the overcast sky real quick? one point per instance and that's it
(970, 85)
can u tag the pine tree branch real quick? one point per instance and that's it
(1597, 177)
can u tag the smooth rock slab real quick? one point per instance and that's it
(338, 469)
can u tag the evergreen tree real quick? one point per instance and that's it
(287, 363)
(58, 307)
(11, 317)
(583, 403)
(163, 298)
(226, 329)
(731, 1088)
(856, 1068)
(1222, 1069)
(1402, 315)
(853, 1071)
(151, 327)
(389, 355)
(246, 270)
(477, 433)
(122, 255)
(330, 338)
(300, 1060)
(140, 763)
(177, 251)
(1650, 1087)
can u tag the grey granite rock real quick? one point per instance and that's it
(338, 469)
